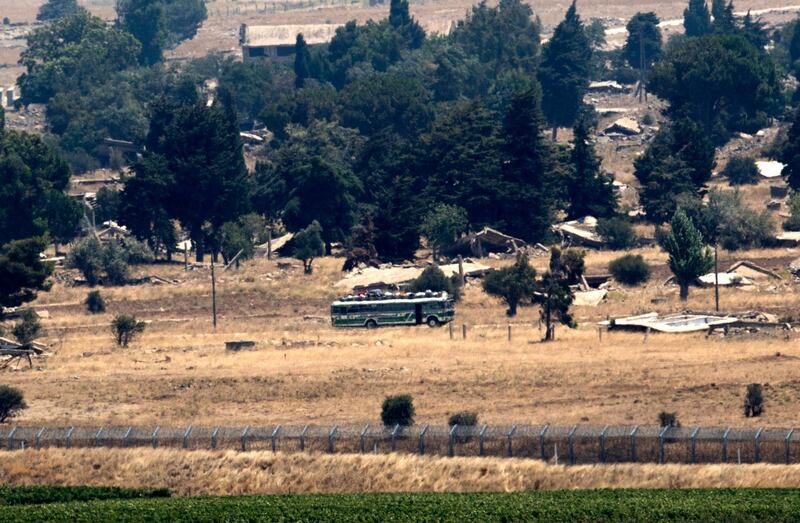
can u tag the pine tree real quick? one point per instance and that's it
(724, 21)
(515, 284)
(53, 9)
(791, 154)
(302, 62)
(643, 32)
(696, 18)
(689, 258)
(400, 19)
(755, 31)
(145, 20)
(564, 72)
(589, 191)
(553, 292)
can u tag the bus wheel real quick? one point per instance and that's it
(433, 322)
(372, 324)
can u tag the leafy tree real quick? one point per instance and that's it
(596, 33)
(793, 222)
(741, 170)
(145, 20)
(589, 192)
(689, 258)
(11, 402)
(630, 269)
(696, 18)
(754, 31)
(442, 226)
(54, 9)
(302, 62)
(73, 54)
(234, 238)
(398, 410)
(183, 19)
(308, 245)
(724, 21)
(553, 292)
(28, 328)
(125, 328)
(643, 35)
(107, 203)
(107, 261)
(790, 155)
(22, 271)
(433, 279)
(400, 19)
(514, 284)
(361, 244)
(754, 400)
(95, 303)
(726, 219)
(617, 233)
(564, 71)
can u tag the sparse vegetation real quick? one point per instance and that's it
(28, 328)
(463, 419)
(11, 402)
(398, 410)
(125, 328)
(630, 269)
(668, 419)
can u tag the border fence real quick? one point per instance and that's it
(566, 445)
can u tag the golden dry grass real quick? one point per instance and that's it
(232, 473)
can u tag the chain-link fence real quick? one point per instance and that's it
(568, 445)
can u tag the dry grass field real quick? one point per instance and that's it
(235, 473)
(304, 371)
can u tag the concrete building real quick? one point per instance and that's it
(277, 41)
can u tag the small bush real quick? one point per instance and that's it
(793, 223)
(668, 419)
(630, 269)
(754, 401)
(617, 233)
(433, 279)
(398, 410)
(95, 303)
(463, 419)
(28, 328)
(11, 402)
(741, 170)
(648, 119)
(125, 328)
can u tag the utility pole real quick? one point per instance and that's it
(716, 274)
(213, 294)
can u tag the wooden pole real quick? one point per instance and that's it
(716, 275)
(451, 329)
(269, 243)
(464, 331)
(461, 268)
(509, 333)
(213, 294)
(185, 258)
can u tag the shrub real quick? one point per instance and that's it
(668, 419)
(754, 401)
(108, 260)
(463, 419)
(630, 269)
(125, 328)
(648, 119)
(741, 170)
(28, 328)
(11, 402)
(87, 257)
(793, 223)
(398, 410)
(95, 303)
(515, 284)
(617, 233)
(433, 279)
(308, 245)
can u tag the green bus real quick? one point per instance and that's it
(376, 309)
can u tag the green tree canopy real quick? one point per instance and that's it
(554, 294)
(308, 245)
(790, 155)
(689, 258)
(22, 271)
(589, 191)
(724, 20)
(514, 284)
(302, 62)
(54, 9)
(145, 20)
(442, 226)
(696, 18)
(643, 35)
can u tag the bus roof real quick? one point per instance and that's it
(413, 299)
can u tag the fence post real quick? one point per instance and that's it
(394, 435)
(125, 437)
(186, 437)
(450, 325)
(509, 332)
(787, 442)
(570, 446)
(362, 437)
(694, 445)
(214, 438)
(481, 439)
(511, 441)
(451, 440)
(603, 444)
(464, 331)
(11, 438)
(757, 445)
(541, 442)
(38, 440)
(661, 437)
(97, 437)
(69, 437)
(725, 445)
(331, 437)
(633, 443)
(303, 438)
(244, 438)
(155, 435)
(422, 440)
(273, 439)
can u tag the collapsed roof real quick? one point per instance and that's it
(485, 241)
(372, 277)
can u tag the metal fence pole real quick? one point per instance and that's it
(303, 438)
(541, 442)
(11, 438)
(273, 439)
(69, 436)
(155, 436)
(186, 437)
(481, 439)
(570, 444)
(693, 458)
(422, 440)
(394, 435)
(787, 442)
(39, 438)
(214, 434)
(757, 445)
(661, 437)
(602, 450)
(511, 441)
(633, 443)
(331, 437)
(362, 438)
(725, 445)
(451, 440)
(243, 438)
(125, 437)
(97, 437)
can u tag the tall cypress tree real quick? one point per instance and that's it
(302, 62)
(564, 73)
(696, 18)
(791, 154)
(724, 21)
(589, 191)
(400, 19)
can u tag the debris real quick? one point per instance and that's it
(581, 232)
(778, 191)
(769, 169)
(724, 279)
(591, 298)
(239, 345)
(393, 276)
(752, 271)
(608, 86)
(788, 239)
(485, 241)
(625, 126)
(16, 352)
(673, 323)
(774, 205)
(277, 244)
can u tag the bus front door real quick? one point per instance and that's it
(418, 313)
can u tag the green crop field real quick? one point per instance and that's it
(729, 505)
